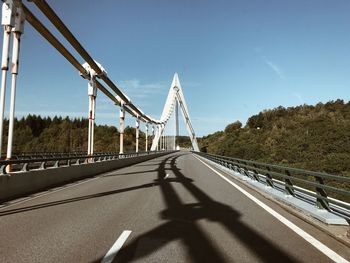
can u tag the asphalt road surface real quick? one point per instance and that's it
(174, 208)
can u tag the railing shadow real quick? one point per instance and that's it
(75, 199)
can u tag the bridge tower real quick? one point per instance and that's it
(176, 98)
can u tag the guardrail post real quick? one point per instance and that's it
(3, 169)
(246, 173)
(321, 200)
(225, 163)
(256, 174)
(43, 165)
(289, 190)
(269, 181)
(25, 167)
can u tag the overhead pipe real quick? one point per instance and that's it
(52, 39)
(63, 29)
(64, 52)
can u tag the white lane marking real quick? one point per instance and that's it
(313, 241)
(116, 247)
(166, 176)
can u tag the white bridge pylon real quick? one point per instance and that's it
(175, 96)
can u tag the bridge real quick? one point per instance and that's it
(158, 204)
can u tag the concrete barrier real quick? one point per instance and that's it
(21, 184)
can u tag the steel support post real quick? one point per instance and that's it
(153, 138)
(8, 21)
(165, 140)
(92, 107)
(146, 131)
(121, 128)
(92, 93)
(158, 137)
(176, 123)
(162, 137)
(17, 32)
(137, 133)
(4, 69)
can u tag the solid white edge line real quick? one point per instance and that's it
(313, 241)
(108, 258)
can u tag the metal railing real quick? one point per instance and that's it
(321, 187)
(36, 155)
(55, 160)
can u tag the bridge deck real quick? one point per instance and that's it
(177, 209)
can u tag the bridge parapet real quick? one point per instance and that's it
(25, 163)
(33, 175)
(326, 191)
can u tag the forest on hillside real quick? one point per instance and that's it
(44, 134)
(309, 137)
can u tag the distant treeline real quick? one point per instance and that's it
(44, 134)
(309, 137)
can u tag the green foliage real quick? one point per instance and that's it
(184, 142)
(36, 134)
(309, 137)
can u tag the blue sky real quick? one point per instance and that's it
(234, 58)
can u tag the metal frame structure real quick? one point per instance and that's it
(46, 161)
(292, 181)
(175, 96)
(14, 13)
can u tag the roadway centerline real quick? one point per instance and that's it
(112, 252)
(307, 237)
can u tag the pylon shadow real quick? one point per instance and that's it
(182, 225)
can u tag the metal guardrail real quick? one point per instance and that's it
(292, 180)
(25, 163)
(35, 155)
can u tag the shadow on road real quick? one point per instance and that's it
(181, 225)
(75, 199)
